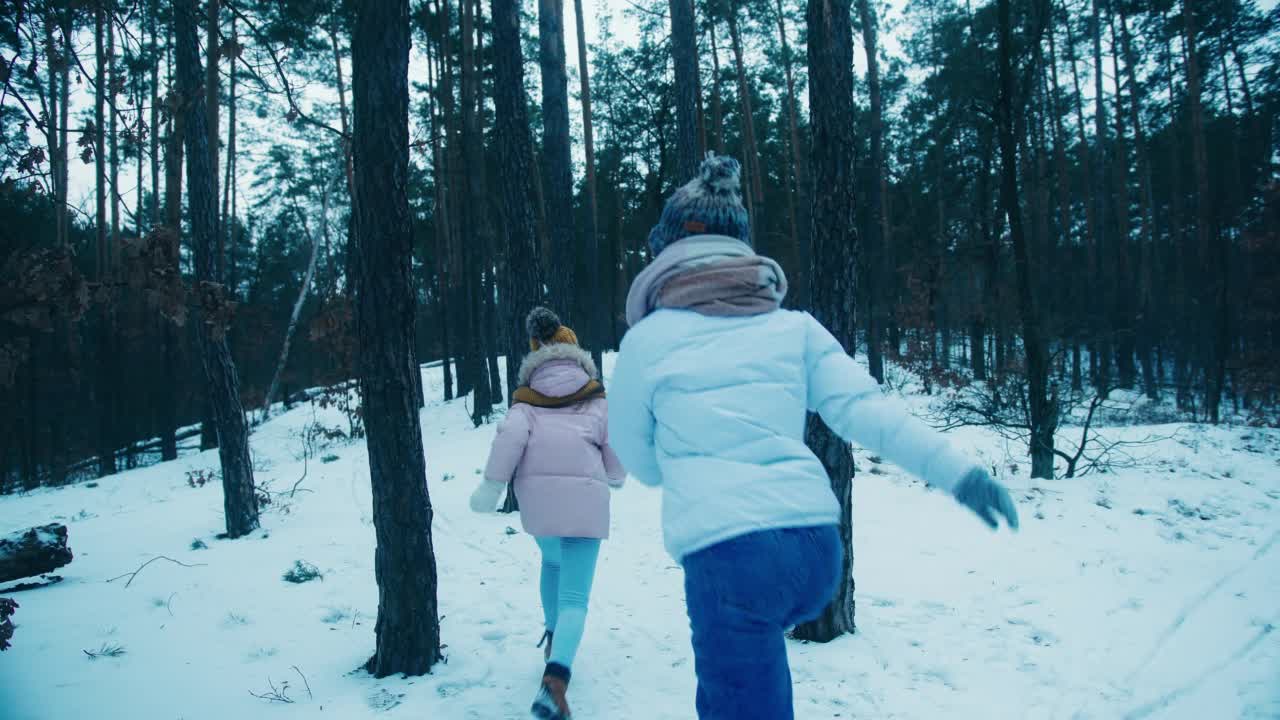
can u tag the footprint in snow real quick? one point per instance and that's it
(383, 699)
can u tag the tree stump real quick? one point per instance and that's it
(34, 551)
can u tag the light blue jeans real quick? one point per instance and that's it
(568, 567)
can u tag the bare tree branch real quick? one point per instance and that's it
(141, 567)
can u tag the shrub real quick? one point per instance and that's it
(302, 572)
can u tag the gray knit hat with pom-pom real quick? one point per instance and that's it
(709, 204)
(544, 328)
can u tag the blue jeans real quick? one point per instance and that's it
(742, 595)
(568, 567)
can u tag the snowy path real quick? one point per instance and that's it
(1147, 593)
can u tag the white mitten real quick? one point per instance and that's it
(485, 498)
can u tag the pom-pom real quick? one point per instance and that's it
(721, 173)
(542, 324)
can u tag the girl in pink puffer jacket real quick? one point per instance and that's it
(553, 447)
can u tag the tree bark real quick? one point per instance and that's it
(556, 164)
(1123, 305)
(872, 265)
(441, 218)
(523, 270)
(684, 54)
(476, 253)
(591, 237)
(834, 236)
(1099, 193)
(222, 385)
(717, 105)
(751, 154)
(1212, 258)
(153, 10)
(226, 222)
(796, 170)
(1148, 254)
(170, 336)
(408, 626)
(34, 551)
(213, 49)
(1041, 407)
(105, 380)
(1087, 163)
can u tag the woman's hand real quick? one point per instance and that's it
(979, 492)
(485, 498)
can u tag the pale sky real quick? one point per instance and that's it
(624, 28)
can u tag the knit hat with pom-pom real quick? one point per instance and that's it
(709, 204)
(544, 328)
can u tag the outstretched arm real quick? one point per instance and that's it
(852, 404)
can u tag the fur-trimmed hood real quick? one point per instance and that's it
(559, 354)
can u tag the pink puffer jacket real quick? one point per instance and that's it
(558, 458)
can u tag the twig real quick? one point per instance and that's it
(280, 695)
(304, 682)
(134, 574)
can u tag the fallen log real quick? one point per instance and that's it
(34, 551)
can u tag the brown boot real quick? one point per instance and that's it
(551, 703)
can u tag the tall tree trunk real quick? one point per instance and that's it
(989, 271)
(408, 626)
(55, 131)
(717, 105)
(64, 106)
(750, 151)
(1063, 237)
(1212, 250)
(684, 54)
(170, 337)
(1148, 255)
(795, 169)
(240, 502)
(1087, 163)
(1123, 305)
(1184, 302)
(834, 235)
(213, 49)
(105, 381)
(476, 254)
(343, 113)
(227, 221)
(873, 266)
(591, 237)
(1100, 195)
(556, 165)
(442, 222)
(153, 212)
(1042, 414)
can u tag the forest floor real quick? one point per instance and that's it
(1148, 592)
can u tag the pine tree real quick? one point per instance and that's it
(240, 501)
(834, 253)
(408, 626)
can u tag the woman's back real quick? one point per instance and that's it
(728, 397)
(554, 444)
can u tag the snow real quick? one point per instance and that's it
(1149, 592)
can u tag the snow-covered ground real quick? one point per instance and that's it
(1145, 593)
